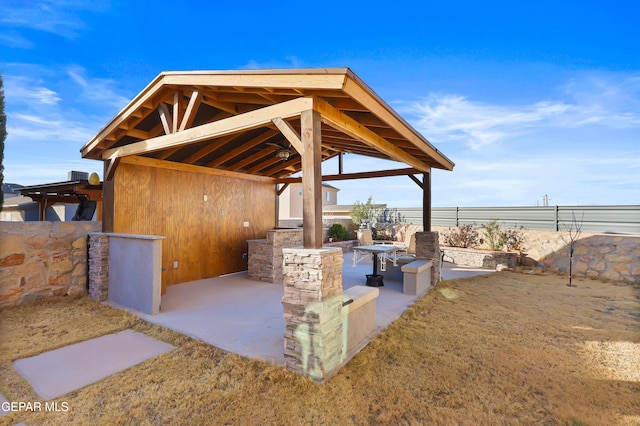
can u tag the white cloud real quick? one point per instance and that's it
(97, 90)
(605, 100)
(25, 90)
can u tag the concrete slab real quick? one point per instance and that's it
(55, 373)
(243, 316)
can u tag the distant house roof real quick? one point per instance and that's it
(239, 121)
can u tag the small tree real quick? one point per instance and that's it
(362, 211)
(494, 235)
(573, 230)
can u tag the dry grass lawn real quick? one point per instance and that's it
(501, 349)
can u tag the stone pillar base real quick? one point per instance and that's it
(428, 247)
(312, 305)
(98, 266)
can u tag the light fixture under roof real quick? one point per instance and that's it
(283, 154)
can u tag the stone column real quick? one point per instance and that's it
(313, 338)
(428, 247)
(98, 266)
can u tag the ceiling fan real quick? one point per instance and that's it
(283, 152)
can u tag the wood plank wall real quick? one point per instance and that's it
(206, 238)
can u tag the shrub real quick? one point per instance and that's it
(465, 236)
(513, 239)
(337, 232)
(495, 237)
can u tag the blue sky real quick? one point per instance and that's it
(527, 98)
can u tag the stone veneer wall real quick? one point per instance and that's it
(312, 303)
(605, 256)
(265, 256)
(98, 266)
(43, 259)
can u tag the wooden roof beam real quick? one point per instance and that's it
(289, 132)
(223, 127)
(351, 127)
(380, 109)
(360, 175)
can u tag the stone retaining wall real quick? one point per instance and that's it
(609, 257)
(43, 259)
(614, 257)
(479, 258)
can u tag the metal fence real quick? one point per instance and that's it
(615, 219)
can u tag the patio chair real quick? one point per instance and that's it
(365, 237)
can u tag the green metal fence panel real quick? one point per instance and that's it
(614, 219)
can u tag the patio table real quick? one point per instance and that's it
(380, 252)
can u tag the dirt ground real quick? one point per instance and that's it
(504, 348)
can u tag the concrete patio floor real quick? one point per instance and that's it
(245, 317)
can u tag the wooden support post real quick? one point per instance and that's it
(311, 179)
(107, 199)
(426, 202)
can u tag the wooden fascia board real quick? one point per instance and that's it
(360, 175)
(152, 162)
(262, 80)
(223, 127)
(348, 125)
(379, 108)
(135, 104)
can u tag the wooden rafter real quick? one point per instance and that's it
(268, 151)
(212, 146)
(243, 148)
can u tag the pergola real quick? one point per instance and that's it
(265, 125)
(71, 192)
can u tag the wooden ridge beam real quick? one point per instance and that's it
(223, 127)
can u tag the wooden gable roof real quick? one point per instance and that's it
(238, 121)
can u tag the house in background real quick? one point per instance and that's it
(290, 203)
